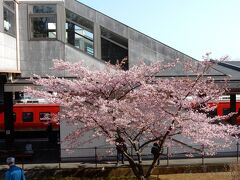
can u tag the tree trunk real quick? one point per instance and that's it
(141, 178)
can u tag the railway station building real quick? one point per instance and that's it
(34, 32)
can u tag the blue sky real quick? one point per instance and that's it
(193, 27)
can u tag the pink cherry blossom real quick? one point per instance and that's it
(139, 105)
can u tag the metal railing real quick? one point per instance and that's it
(108, 155)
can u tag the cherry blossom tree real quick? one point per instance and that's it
(139, 106)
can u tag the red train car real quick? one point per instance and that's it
(33, 117)
(36, 117)
(223, 108)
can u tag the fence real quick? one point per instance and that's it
(108, 155)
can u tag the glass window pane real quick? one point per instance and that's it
(44, 9)
(226, 111)
(27, 116)
(43, 27)
(88, 34)
(45, 116)
(79, 37)
(88, 47)
(9, 21)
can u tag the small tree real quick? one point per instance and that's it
(138, 106)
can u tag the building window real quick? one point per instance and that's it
(114, 48)
(43, 22)
(212, 113)
(27, 116)
(79, 32)
(9, 17)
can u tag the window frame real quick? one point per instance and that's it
(84, 37)
(39, 15)
(123, 45)
(5, 6)
(81, 26)
(90, 29)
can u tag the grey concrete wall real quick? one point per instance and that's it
(97, 17)
(36, 57)
(1, 15)
(112, 25)
(81, 9)
(141, 47)
(145, 49)
(74, 55)
(23, 22)
(61, 20)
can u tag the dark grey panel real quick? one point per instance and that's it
(112, 25)
(80, 9)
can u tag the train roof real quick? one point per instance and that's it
(36, 105)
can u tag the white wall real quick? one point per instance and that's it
(8, 55)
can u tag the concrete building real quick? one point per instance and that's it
(33, 32)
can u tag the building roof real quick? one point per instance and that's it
(232, 71)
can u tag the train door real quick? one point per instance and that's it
(223, 108)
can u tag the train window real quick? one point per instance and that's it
(226, 111)
(14, 116)
(32, 101)
(44, 116)
(27, 116)
(212, 113)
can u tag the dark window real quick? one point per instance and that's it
(33, 101)
(45, 116)
(114, 48)
(43, 22)
(27, 116)
(44, 9)
(226, 111)
(44, 27)
(212, 113)
(9, 19)
(79, 32)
